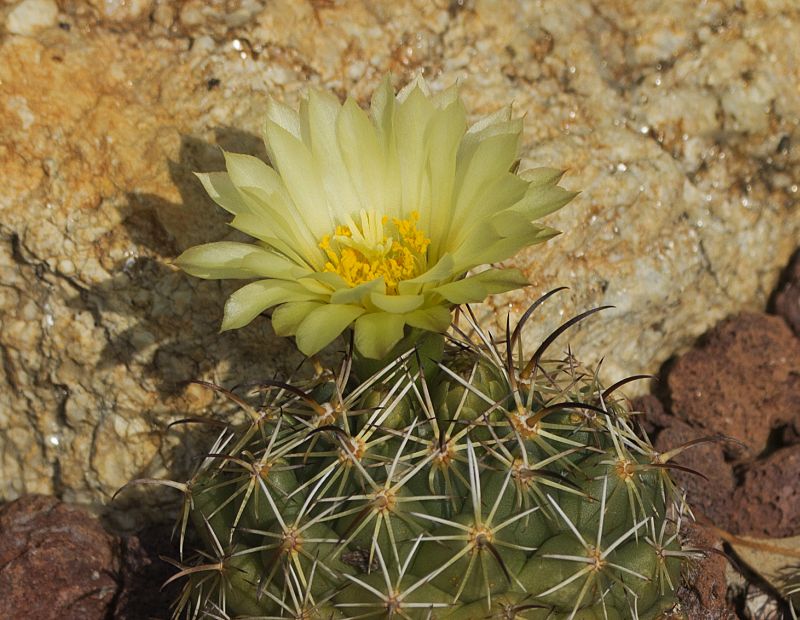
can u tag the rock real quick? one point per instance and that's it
(768, 501)
(674, 120)
(651, 414)
(709, 495)
(122, 10)
(30, 16)
(56, 562)
(786, 301)
(743, 380)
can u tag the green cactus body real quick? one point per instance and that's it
(493, 488)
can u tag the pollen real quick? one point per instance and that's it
(371, 248)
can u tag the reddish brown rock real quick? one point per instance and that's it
(786, 301)
(742, 380)
(651, 414)
(56, 562)
(768, 501)
(709, 496)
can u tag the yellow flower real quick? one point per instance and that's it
(372, 219)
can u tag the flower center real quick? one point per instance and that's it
(372, 248)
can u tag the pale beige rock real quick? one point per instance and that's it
(679, 121)
(29, 16)
(122, 10)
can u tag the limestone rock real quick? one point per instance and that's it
(678, 121)
(29, 16)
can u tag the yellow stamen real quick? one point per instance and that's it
(364, 252)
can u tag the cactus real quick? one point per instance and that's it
(496, 484)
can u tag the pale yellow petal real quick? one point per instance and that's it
(319, 117)
(257, 227)
(477, 288)
(358, 294)
(363, 156)
(296, 166)
(396, 304)
(251, 300)
(287, 317)
(284, 116)
(222, 259)
(445, 131)
(322, 325)
(541, 176)
(376, 333)
(412, 118)
(433, 319)
(221, 190)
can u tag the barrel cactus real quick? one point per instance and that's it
(497, 483)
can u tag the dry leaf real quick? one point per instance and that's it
(776, 560)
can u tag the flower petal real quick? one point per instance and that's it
(357, 294)
(274, 214)
(481, 164)
(287, 317)
(318, 121)
(444, 135)
(396, 304)
(541, 176)
(537, 202)
(503, 115)
(443, 270)
(493, 198)
(315, 285)
(251, 300)
(221, 189)
(323, 325)
(283, 116)
(411, 122)
(255, 226)
(486, 245)
(478, 287)
(363, 155)
(376, 333)
(222, 259)
(296, 166)
(433, 319)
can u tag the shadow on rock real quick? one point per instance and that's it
(173, 335)
(162, 325)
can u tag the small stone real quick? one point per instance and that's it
(66, 267)
(30, 16)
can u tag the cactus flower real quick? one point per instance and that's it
(373, 219)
